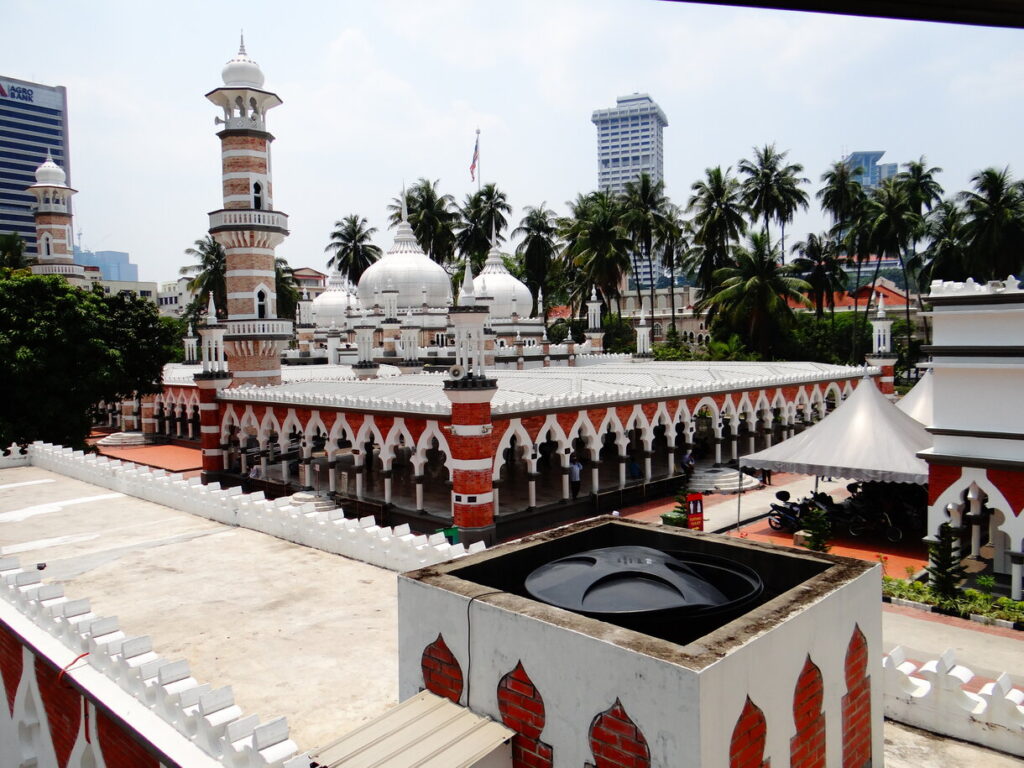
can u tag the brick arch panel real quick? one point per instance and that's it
(616, 741)
(522, 710)
(11, 663)
(746, 750)
(857, 704)
(441, 671)
(118, 748)
(807, 747)
(63, 705)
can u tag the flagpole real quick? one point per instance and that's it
(479, 165)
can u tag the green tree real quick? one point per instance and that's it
(208, 274)
(819, 265)
(285, 289)
(351, 247)
(537, 248)
(432, 216)
(62, 350)
(718, 223)
(945, 571)
(673, 239)
(923, 191)
(995, 225)
(482, 214)
(817, 529)
(841, 194)
(643, 216)
(824, 340)
(753, 297)
(771, 189)
(12, 252)
(945, 257)
(598, 245)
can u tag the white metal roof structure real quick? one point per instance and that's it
(919, 402)
(865, 438)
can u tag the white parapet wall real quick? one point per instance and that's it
(397, 549)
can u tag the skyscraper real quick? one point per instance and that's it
(629, 141)
(33, 120)
(872, 172)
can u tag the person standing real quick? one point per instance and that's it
(575, 467)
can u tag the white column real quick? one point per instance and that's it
(718, 451)
(595, 477)
(533, 491)
(1016, 570)
(622, 472)
(647, 467)
(419, 494)
(387, 486)
(565, 477)
(332, 474)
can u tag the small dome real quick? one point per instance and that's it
(50, 174)
(330, 306)
(407, 268)
(496, 282)
(241, 71)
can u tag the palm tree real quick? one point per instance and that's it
(598, 245)
(12, 252)
(432, 217)
(537, 249)
(351, 248)
(643, 215)
(995, 225)
(772, 189)
(891, 223)
(945, 258)
(483, 213)
(673, 239)
(208, 275)
(821, 267)
(753, 296)
(918, 181)
(285, 289)
(841, 194)
(718, 223)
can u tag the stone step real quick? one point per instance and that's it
(721, 480)
(123, 439)
(321, 503)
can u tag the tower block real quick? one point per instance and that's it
(248, 227)
(52, 213)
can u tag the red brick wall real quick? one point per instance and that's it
(807, 747)
(522, 710)
(63, 705)
(1011, 484)
(11, 658)
(441, 671)
(940, 477)
(857, 704)
(616, 741)
(120, 750)
(746, 750)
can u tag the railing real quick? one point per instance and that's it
(259, 328)
(246, 218)
(58, 269)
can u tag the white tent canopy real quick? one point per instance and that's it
(865, 438)
(918, 403)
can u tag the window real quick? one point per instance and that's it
(257, 196)
(261, 305)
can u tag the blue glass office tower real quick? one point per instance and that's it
(33, 119)
(872, 173)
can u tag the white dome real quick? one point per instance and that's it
(496, 282)
(241, 71)
(50, 174)
(331, 305)
(408, 269)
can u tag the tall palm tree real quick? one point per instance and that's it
(820, 265)
(483, 213)
(771, 189)
(918, 181)
(995, 225)
(673, 239)
(537, 249)
(841, 193)
(945, 258)
(753, 295)
(643, 215)
(12, 252)
(351, 249)
(208, 274)
(432, 216)
(718, 223)
(598, 245)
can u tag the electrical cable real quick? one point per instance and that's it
(469, 638)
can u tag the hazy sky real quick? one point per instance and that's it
(380, 92)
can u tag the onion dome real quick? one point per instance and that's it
(50, 174)
(331, 306)
(506, 292)
(408, 269)
(241, 71)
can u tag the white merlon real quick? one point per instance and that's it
(953, 288)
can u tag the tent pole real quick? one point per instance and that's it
(739, 496)
(816, 483)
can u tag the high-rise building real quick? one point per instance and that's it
(115, 265)
(33, 121)
(872, 173)
(629, 141)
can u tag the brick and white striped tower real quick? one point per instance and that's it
(248, 226)
(52, 211)
(213, 378)
(881, 350)
(470, 393)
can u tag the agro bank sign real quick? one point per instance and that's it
(31, 93)
(18, 93)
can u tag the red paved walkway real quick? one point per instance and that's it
(173, 458)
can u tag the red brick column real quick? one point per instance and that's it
(472, 459)
(11, 663)
(746, 750)
(441, 671)
(887, 381)
(148, 418)
(616, 741)
(209, 422)
(857, 704)
(522, 710)
(807, 747)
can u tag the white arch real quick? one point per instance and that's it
(397, 431)
(1013, 525)
(516, 429)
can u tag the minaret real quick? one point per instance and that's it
(881, 350)
(643, 338)
(248, 226)
(52, 211)
(594, 331)
(470, 393)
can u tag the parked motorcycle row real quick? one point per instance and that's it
(885, 510)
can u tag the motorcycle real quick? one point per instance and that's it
(785, 516)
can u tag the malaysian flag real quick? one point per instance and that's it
(476, 158)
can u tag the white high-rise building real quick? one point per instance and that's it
(629, 141)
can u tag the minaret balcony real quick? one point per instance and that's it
(66, 269)
(280, 330)
(50, 208)
(248, 219)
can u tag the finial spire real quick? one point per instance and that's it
(494, 234)
(466, 296)
(405, 204)
(241, 43)
(211, 311)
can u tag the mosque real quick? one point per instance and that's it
(421, 410)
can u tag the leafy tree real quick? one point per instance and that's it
(718, 223)
(841, 194)
(12, 252)
(351, 247)
(433, 217)
(945, 257)
(673, 238)
(62, 350)
(995, 225)
(643, 215)
(483, 214)
(824, 340)
(819, 265)
(538, 248)
(752, 299)
(285, 289)
(817, 528)
(945, 571)
(208, 275)
(598, 245)
(619, 336)
(771, 189)
(923, 191)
